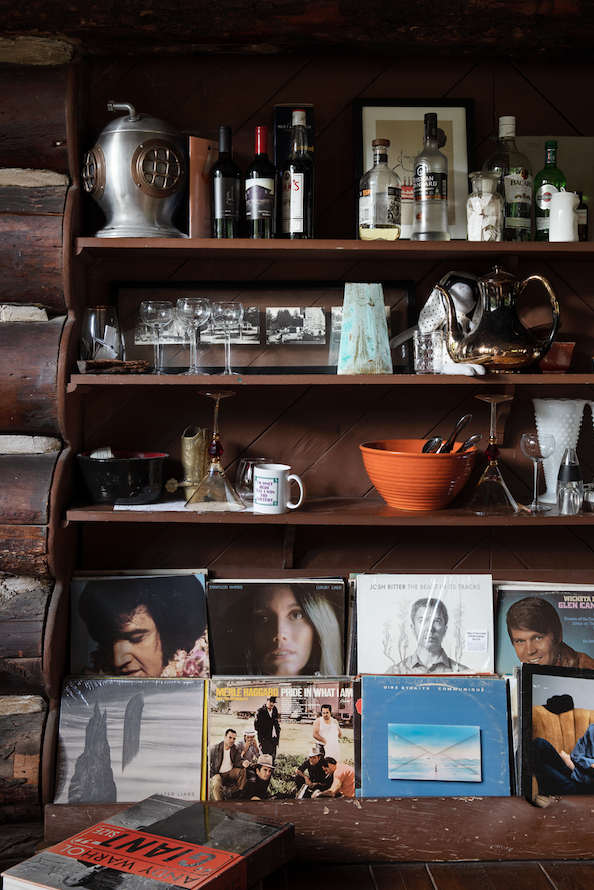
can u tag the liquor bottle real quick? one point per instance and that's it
(582, 214)
(225, 190)
(379, 198)
(430, 221)
(549, 180)
(515, 182)
(260, 182)
(297, 215)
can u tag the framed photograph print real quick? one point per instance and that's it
(401, 121)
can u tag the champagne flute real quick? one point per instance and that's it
(537, 448)
(194, 313)
(227, 315)
(157, 314)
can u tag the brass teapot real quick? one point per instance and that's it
(498, 340)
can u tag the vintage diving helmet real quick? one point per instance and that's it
(136, 172)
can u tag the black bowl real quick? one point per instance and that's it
(128, 478)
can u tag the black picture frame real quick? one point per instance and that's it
(401, 121)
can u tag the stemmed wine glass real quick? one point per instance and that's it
(537, 447)
(215, 494)
(157, 314)
(228, 316)
(194, 313)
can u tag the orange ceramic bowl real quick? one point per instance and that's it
(410, 480)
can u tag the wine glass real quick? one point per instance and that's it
(194, 313)
(215, 494)
(244, 480)
(157, 314)
(537, 448)
(227, 316)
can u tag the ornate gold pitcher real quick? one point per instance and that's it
(498, 340)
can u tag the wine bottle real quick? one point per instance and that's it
(582, 214)
(260, 182)
(546, 182)
(430, 222)
(297, 215)
(225, 190)
(515, 182)
(379, 198)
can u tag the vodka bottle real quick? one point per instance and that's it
(430, 221)
(548, 181)
(297, 217)
(515, 182)
(582, 214)
(225, 182)
(379, 198)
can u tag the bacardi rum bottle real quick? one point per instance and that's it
(515, 182)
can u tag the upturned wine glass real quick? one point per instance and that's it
(157, 314)
(194, 313)
(228, 316)
(537, 447)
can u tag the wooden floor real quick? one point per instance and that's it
(566, 875)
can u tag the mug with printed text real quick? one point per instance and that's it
(272, 488)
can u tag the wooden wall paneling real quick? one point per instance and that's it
(547, 547)
(320, 550)
(514, 93)
(407, 876)
(33, 126)
(25, 481)
(332, 877)
(22, 723)
(503, 556)
(28, 396)
(467, 876)
(434, 550)
(23, 550)
(565, 105)
(569, 876)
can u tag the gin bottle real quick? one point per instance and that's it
(430, 222)
(548, 181)
(515, 182)
(379, 198)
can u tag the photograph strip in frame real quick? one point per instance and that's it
(401, 121)
(288, 327)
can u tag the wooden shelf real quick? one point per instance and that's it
(79, 381)
(331, 249)
(325, 511)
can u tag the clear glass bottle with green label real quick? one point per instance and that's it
(548, 181)
(515, 182)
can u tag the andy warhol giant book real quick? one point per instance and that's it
(433, 737)
(424, 624)
(162, 843)
(121, 739)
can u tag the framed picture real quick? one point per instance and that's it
(288, 327)
(402, 122)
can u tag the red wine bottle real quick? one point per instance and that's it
(260, 183)
(298, 184)
(225, 190)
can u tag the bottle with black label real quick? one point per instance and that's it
(515, 182)
(225, 190)
(260, 183)
(379, 198)
(582, 215)
(297, 216)
(430, 222)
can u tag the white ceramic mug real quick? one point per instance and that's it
(563, 219)
(272, 488)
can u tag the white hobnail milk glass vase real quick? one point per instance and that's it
(561, 418)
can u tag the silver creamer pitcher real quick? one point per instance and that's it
(136, 172)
